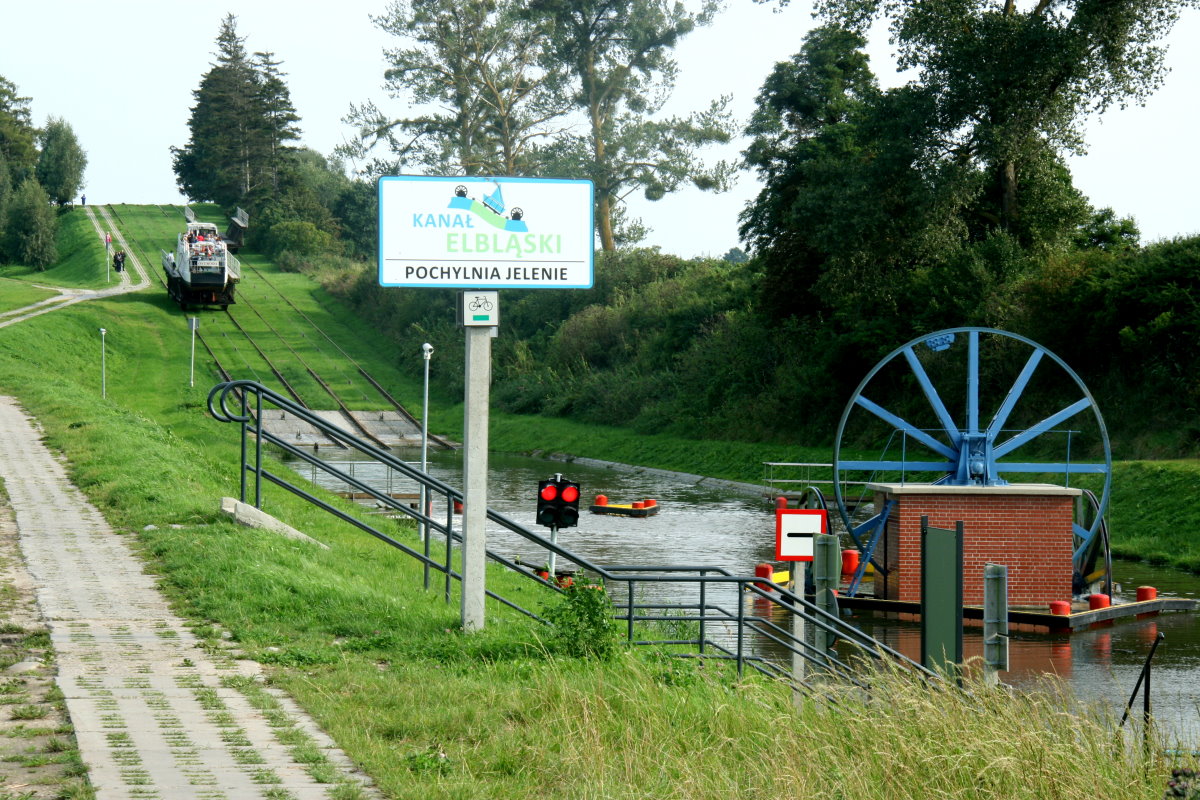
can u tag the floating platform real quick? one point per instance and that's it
(629, 510)
(1081, 619)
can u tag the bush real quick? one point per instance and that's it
(583, 623)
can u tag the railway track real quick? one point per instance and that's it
(239, 333)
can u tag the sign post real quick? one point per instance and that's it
(794, 532)
(478, 234)
(479, 328)
(193, 326)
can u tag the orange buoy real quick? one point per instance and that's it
(601, 500)
(849, 561)
(1145, 593)
(649, 502)
(763, 571)
(781, 502)
(637, 504)
(1098, 600)
(1060, 608)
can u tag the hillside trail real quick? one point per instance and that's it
(69, 297)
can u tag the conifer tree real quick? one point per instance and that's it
(242, 118)
(17, 134)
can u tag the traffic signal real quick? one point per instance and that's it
(558, 503)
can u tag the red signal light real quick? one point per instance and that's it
(549, 492)
(570, 493)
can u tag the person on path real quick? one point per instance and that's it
(83, 199)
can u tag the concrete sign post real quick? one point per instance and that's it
(479, 328)
(480, 234)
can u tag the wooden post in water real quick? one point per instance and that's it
(995, 622)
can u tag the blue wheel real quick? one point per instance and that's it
(947, 408)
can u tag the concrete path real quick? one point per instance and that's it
(155, 715)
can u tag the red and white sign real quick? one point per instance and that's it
(794, 532)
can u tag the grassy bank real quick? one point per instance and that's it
(433, 713)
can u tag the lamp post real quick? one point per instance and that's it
(427, 351)
(103, 383)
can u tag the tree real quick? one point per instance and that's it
(17, 134)
(279, 116)
(61, 163)
(619, 54)
(242, 117)
(31, 227)
(1007, 80)
(478, 70)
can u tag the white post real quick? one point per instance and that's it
(475, 428)
(551, 565)
(427, 351)
(193, 324)
(798, 666)
(103, 370)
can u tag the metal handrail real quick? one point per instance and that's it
(708, 614)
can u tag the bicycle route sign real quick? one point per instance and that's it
(485, 233)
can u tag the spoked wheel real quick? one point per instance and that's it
(955, 407)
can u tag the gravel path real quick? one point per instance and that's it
(156, 716)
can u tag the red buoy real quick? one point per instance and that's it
(781, 502)
(1145, 593)
(1060, 608)
(649, 502)
(849, 561)
(458, 506)
(763, 571)
(1098, 600)
(637, 504)
(601, 500)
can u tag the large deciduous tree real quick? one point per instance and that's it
(239, 126)
(485, 95)
(1009, 78)
(61, 163)
(29, 231)
(946, 188)
(619, 52)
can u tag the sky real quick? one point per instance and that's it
(122, 74)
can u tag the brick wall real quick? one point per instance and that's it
(1030, 534)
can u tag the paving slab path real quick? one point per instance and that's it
(155, 714)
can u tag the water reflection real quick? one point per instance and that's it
(701, 525)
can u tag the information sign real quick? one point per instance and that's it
(794, 532)
(485, 233)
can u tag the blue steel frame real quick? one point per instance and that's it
(972, 454)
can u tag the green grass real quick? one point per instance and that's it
(431, 712)
(15, 294)
(81, 255)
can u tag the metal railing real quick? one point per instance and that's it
(747, 620)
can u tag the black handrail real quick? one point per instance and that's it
(709, 614)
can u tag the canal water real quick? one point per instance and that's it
(714, 526)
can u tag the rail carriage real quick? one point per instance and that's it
(201, 271)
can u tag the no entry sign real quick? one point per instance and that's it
(794, 532)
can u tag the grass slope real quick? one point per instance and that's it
(432, 713)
